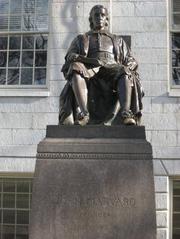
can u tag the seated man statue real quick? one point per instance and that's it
(102, 86)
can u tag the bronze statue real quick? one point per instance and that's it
(102, 86)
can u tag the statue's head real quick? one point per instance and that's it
(98, 18)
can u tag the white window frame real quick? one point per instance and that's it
(29, 90)
(173, 91)
(24, 177)
(171, 180)
(170, 208)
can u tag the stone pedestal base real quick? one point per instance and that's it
(93, 183)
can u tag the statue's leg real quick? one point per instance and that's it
(125, 93)
(79, 87)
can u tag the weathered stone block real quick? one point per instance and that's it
(27, 136)
(17, 165)
(40, 120)
(149, 55)
(159, 168)
(6, 137)
(164, 138)
(140, 24)
(162, 218)
(162, 233)
(161, 184)
(15, 120)
(150, 9)
(161, 201)
(123, 9)
(70, 10)
(93, 182)
(150, 40)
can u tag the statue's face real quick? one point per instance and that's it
(99, 19)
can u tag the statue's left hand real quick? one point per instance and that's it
(73, 57)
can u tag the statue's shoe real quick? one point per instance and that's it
(129, 121)
(83, 119)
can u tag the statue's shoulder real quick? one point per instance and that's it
(81, 37)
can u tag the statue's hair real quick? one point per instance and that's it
(91, 13)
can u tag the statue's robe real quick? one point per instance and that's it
(102, 95)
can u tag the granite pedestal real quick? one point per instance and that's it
(93, 182)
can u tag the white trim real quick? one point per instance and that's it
(24, 92)
(173, 91)
(17, 165)
(27, 90)
(168, 44)
(16, 208)
(170, 208)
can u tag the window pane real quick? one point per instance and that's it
(41, 58)
(40, 76)
(176, 233)
(9, 186)
(4, 6)
(0, 219)
(8, 216)
(15, 23)
(8, 200)
(23, 186)
(15, 7)
(14, 42)
(3, 23)
(176, 76)
(176, 6)
(31, 186)
(13, 77)
(28, 42)
(28, 22)
(3, 42)
(3, 58)
(27, 58)
(2, 76)
(176, 58)
(8, 232)
(176, 188)
(21, 232)
(14, 59)
(22, 217)
(41, 7)
(26, 76)
(22, 201)
(29, 6)
(41, 42)
(42, 22)
(176, 18)
(176, 40)
(176, 209)
(14, 222)
(176, 220)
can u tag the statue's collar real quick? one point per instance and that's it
(105, 32)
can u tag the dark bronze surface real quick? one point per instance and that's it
(103, 85)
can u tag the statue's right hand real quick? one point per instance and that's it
(73, 57)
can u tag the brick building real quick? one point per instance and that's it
(34, 36)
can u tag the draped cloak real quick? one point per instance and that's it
(102, 94)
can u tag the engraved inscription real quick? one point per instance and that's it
(99, 201)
